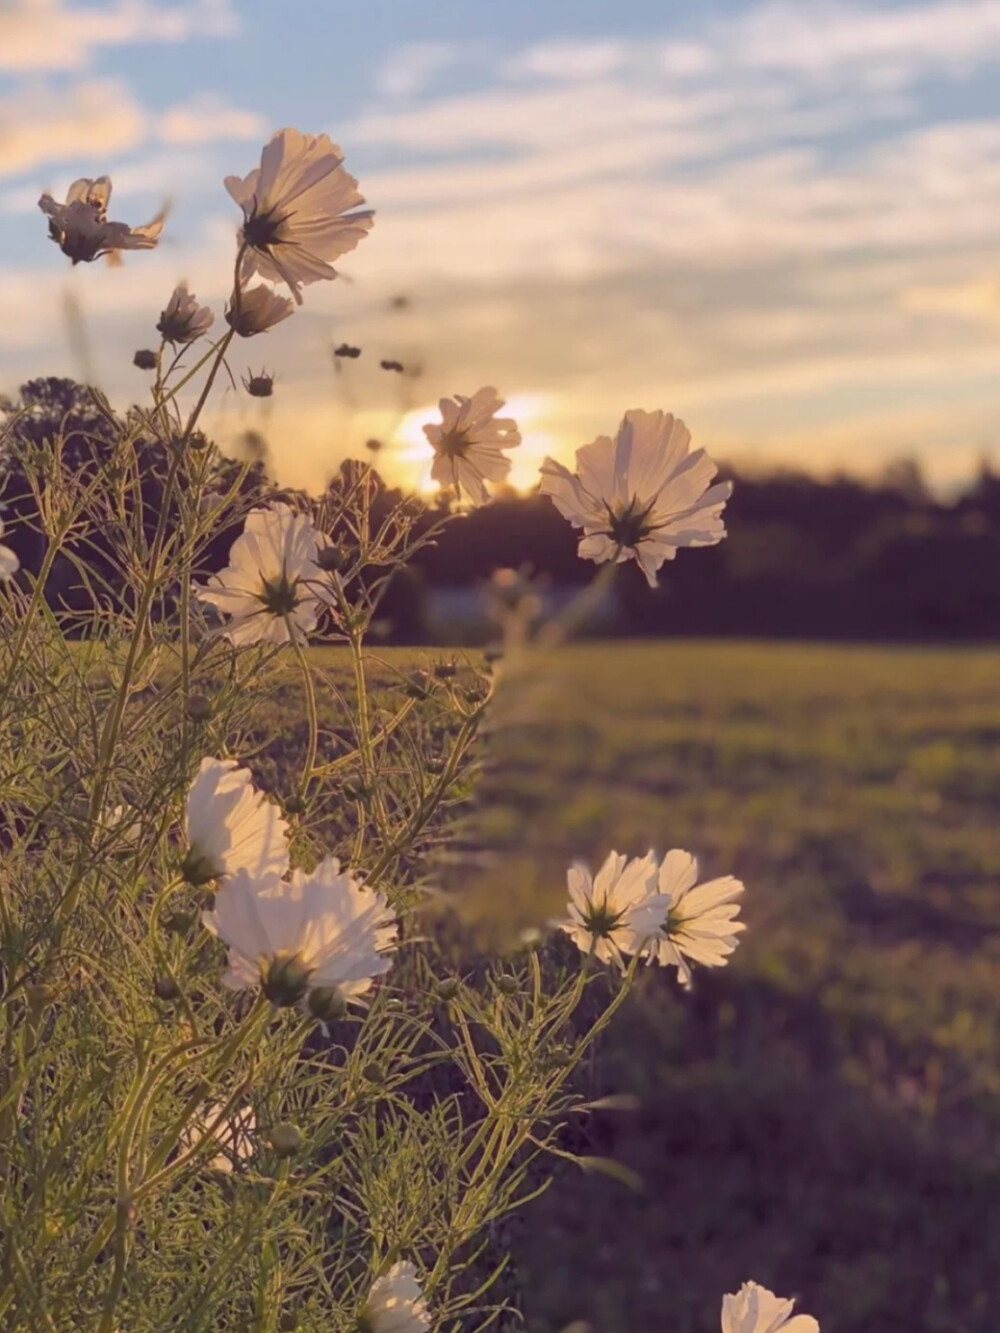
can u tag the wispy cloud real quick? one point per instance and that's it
(207, 119)
(56, 35)
(91, 119)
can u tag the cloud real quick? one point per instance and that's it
(56, 35)
(88, 121)
(976, 301)
(208, 118)
(410, 69)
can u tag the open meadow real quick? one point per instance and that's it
(825, 1111)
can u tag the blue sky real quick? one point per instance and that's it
(778, 219)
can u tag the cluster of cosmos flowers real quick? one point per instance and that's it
(321, 940)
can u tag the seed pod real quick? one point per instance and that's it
(144, 359)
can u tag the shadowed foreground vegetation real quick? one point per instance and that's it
(824, 1114)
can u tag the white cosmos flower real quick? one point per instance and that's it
(640, 496)
(469, 441)
(296, 210)
(184, 320)
(81, 229)
(9, 563)
(231, 826)
(257, 310)
(396, 1303)
(617, 912)
(754, 1309)
(323, 930)
(232, 1134)
(272, 586)
(700, 921)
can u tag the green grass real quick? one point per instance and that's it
(823, 1115)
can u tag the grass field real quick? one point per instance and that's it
(823, 1115)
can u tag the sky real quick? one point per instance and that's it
(779, 220)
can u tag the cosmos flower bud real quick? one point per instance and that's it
(144, 359)
(166, 988)
(286, 980)
(286, 1139)
(446, 670)
(260, 385)
(294, 804)
(333, 559)
(327, 1004)
(447, 988)
(345, 350)
(199, 707)
(180, 923)
(374, 1072)
(418, 684)
(506, 985)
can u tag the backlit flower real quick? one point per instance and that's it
(81, 229)
(701, 921)
(754, 1309)
(396, 1303)
(9, 563)
(296, 211)
(323, 930)
(231, 826)
(273, 586)
(232, 1135)
(257, 310)
(640, 496)
(184, 320)
(618, 911)
(469, 441)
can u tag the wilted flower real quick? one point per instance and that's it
(81, 229)
(619, 911)
(232, 1134)
(700, 922)
(754, 1309)
(296, 216)
(396, 1303)
(273, 585)
(9, 563)
(467, 445)
(256, 310)
(320, 930)
(641, 495)
(260, 385)
(184, 320)
(231, 826)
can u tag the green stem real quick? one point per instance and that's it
(310, 693)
